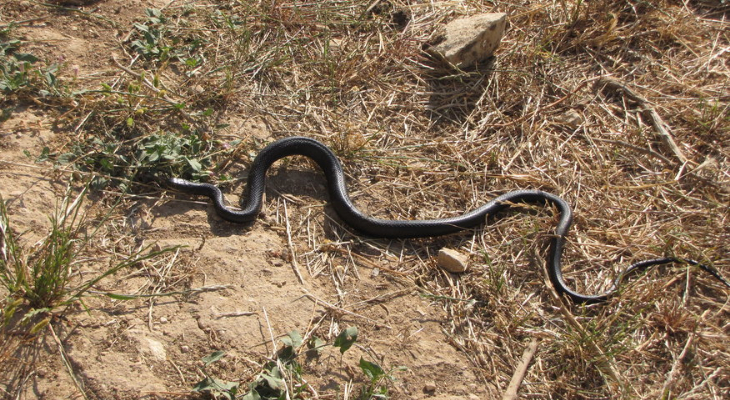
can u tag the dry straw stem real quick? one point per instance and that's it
(67, 364)
(656, 120)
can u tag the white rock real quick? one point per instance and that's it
(466, 41)
(451, 260)
(148, 346)
(153, 348)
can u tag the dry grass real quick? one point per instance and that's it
(419, 143)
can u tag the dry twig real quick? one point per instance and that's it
(660, 126)
(520, 371)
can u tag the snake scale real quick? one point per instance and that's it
(347, 211)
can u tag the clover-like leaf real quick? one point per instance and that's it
(346, 339)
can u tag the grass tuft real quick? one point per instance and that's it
(42, 277)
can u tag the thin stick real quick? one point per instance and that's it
(520, 371)
(663, 130)
(233, 314)
(66, 363)
(659, 125)
(144, 80)
(23, 22)
(294, 263)
(342, 310)
(271, 333)
(675, 367)
(182, 377)
(636, 148)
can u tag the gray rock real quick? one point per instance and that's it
(466, 41)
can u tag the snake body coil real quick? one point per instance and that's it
(346, 210)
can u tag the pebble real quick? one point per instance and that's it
(571, 119)
(452, 260)
(154, 348)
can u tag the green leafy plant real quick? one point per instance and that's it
(120, 163)
(152, 43)
(346, 339)
(271, 382)
(216, 388)
(156, 42)
(173, 155)
(15, 67)
(375, 389)
(18, 71)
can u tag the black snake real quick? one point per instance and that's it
(347, 211)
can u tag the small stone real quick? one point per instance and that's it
(334, 45)
(466, 41)
(571, 119)
(184, 349)
(429, 387)
(154, 348)
(451, 260)
(163, 320)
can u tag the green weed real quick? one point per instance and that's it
(140, 131)
(157, 43)
(174, 155)
(121, 163)
(375, 388)
(40, 277)
(214, 387)
(282, 378)
(19, 73)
